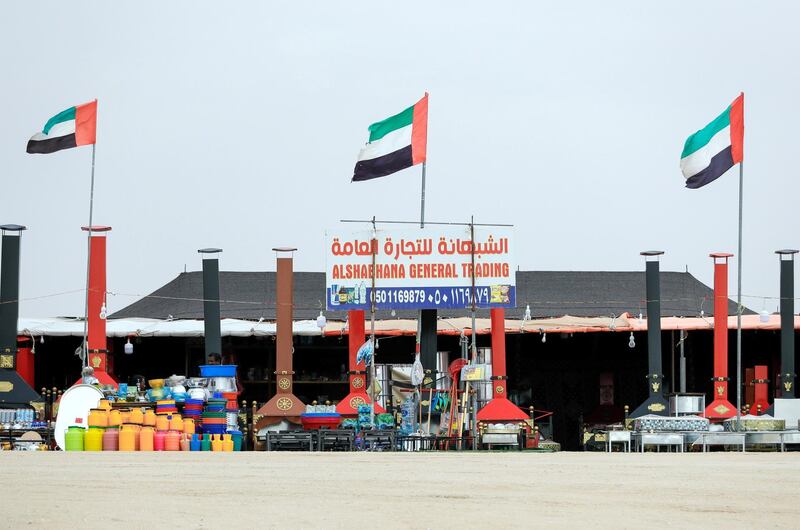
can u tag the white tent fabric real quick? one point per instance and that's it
(231, 327)
(147, 327)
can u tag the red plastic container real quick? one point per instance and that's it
(158, 440)
(111, 440)
(320, 420)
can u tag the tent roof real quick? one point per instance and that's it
(145, 327)
(251, 295)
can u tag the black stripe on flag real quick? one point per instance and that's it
(383, 165)
(51, 145)
(720, 163)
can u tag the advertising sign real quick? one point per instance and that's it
(416, 268)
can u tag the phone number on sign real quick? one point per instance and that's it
(400, 296)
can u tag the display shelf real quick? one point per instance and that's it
(320, 382)
(296, 382)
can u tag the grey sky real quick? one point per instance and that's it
(238, 124)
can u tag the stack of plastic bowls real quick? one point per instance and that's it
(166, 406)
(193, 409)
(214, 416)
(232, 410)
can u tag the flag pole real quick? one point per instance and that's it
(422, 199)
(739, 308)
(85, 351)
(418, 346)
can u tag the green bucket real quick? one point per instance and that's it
(73, 438)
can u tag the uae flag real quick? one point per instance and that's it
(395, 143)
(715, 148)
(70, 128)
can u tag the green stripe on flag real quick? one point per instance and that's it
(380, 129)
(699, 139)
(66, 115)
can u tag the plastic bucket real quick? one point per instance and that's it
(93, 441)
(73, 438)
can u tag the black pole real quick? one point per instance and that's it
(211, 313)
(787, 323)
(13, 388)
(655, 403)
(653, 289)
(427, 345)
(9, 298)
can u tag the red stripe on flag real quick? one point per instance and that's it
(86, 123)
(419, 131)
(737, 129)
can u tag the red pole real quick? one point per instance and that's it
(720, 407)
(761, 389)
(355, 339)
(96, 339)
(721, 328)
(498, 316)
(25, 361)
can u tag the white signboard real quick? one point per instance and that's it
(416, 268)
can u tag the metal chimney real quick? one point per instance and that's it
(211, 316)
(284, 405)
(655, 403)
(787, 375)
(13, 388)
(358, 371)
(720, 408)
(499, 408)
(97, 340)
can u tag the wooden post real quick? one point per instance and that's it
(253, 432)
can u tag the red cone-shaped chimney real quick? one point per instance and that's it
(720, 408)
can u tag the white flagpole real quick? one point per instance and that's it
(739, 308)
(422, 199)
(88, 264)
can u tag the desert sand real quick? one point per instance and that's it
(399, 490)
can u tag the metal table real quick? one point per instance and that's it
(290, 440)
(776, 438)
(379, 440)
(791, 437)
(720, 438)
(623, 437)
(416, 443)
(335, 440)
(658, 439)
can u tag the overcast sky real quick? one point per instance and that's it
(237, 125)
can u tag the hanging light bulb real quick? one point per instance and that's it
(103, 311)
(641, 319)
(41, 339)
(128, 347)
(631, 341)
(321, 321)
(527, 312)
(544, 338)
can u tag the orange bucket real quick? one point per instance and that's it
(188, 426)
(114, 418)
(149, 418)
(162, 422)
(146, 439)
(136, 416)
(176, 423)
(97, 418)
(127, 438)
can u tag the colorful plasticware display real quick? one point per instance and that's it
(202, 425)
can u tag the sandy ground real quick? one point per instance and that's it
(398, 490)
